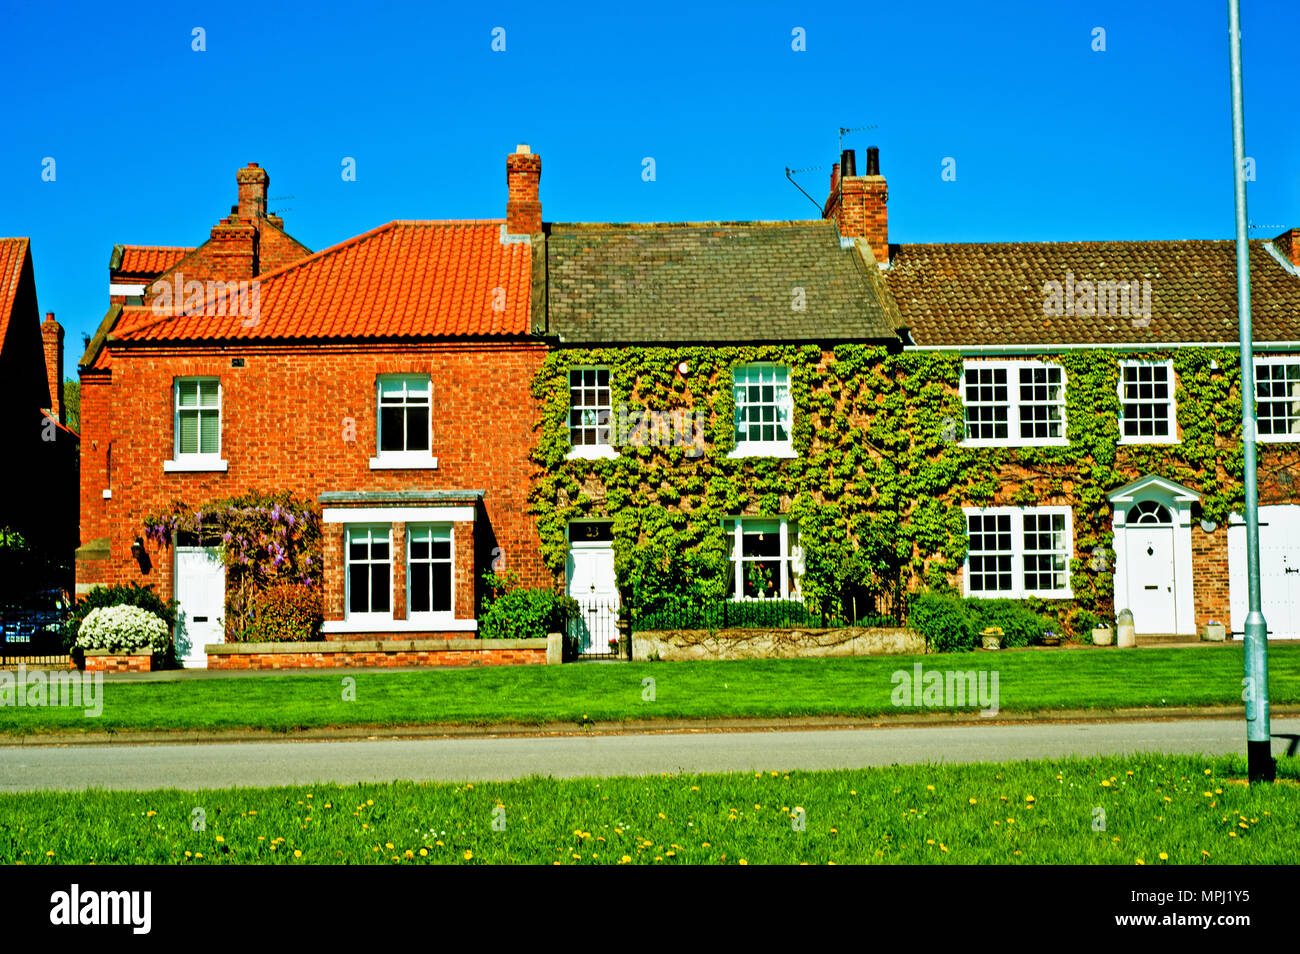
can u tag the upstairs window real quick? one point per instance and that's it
(404, 405)
(590, 407)
(1146, 395)
(1277, 395)
(763, 411)
(404, 428)
(1014, 403)
(198, 418)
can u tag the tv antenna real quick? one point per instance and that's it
(791, 173)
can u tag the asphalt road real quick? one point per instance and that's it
(216, 765)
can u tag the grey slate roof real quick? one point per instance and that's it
(711, 282)
(991, 294)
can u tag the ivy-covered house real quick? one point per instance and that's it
(1100, 420)
(1053, 422)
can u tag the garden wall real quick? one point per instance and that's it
(385, 653)
(678, 645)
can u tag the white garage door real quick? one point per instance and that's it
(1279, 570)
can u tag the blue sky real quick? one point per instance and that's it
(1052, 140)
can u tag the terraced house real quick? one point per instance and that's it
(665, 415)
(1055, 422)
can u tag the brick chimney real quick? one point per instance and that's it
(52, 338)
(1288, 243)
(857, 203)
(234, 247)
(523, 200)
(253, 183)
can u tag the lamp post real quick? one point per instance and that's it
(1259, 754)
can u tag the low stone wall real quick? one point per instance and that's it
(101, 660)
(385, 653)
(677, 645)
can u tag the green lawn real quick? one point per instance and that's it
(1150, 809)
(612, 692)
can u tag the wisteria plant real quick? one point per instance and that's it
(264, 540)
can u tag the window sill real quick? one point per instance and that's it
(1049, 442)
(419, 624)
(785, 451)
(195, 465)
(404, 462)
(1278, 439)
(592, 452)
(1149, 440)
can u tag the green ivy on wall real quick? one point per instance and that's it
(881, 475)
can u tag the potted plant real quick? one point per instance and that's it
(1102, 635)
(1214, 632)
(1051, 638)
(760, 579)
(992, 637)
(613, 645)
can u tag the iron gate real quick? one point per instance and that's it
(595, 627)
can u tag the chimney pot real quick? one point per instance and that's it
(873, 161)
(848, 163)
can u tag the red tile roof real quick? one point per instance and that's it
(150, 259)
(13, 253)
(403, 279)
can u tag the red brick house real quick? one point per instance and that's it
(40, 448)
(387, 377)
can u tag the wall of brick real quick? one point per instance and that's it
(112, 663)
(286, 421)
(343, 659)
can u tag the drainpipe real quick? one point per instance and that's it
(1259, 753)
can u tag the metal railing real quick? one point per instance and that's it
(747, 614)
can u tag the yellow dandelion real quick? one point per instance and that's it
(1029, 798)
(220, 838)
(297, 853)
(972, 801)
(468, 854)
(625, 859)
(743, 861)
(1141, 862)
(1164, 856)
(1105, 783)
(388, 845)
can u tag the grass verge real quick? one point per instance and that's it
(1146, 809)
(604, 693)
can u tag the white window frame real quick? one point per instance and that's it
(1171, 403)
(600, 450)
(368, 617)
(761, 448)
(790, 560)
(1014, 404)
(200, 461)
(1282, 360)
(431, 617)
(1017, 553)
(404, 459)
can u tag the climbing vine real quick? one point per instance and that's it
(881, 475)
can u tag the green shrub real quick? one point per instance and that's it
(286, 613)
(1020, 625)
(945, 622)
(129, 594)
(514, 612)
(123, 629)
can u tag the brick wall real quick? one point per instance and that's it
(113, 663)
(284, 421)
(343, 659)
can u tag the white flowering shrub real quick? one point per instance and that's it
(123, 629)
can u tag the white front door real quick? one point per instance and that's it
(1150, 562)
(1279, 571)
(592, 583)
(201, 592)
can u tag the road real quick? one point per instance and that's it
(217, 765)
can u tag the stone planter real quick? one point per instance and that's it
(1214, 632)
(1102, 636)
